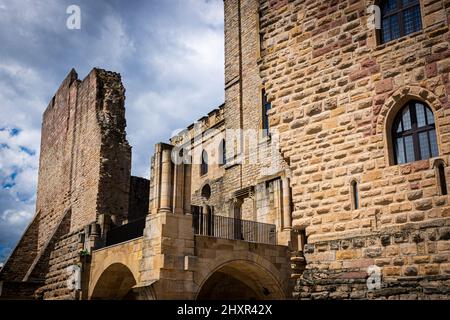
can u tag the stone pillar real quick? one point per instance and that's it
(156, 180)
(278, 203)
(166, 181)
(287, 217)
(159, 267)
(187, 188)
(178, 189)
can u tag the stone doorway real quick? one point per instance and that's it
(241, 280)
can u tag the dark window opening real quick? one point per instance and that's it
(206, 192)
(222, 153)
(399, 18)
(355, 195)
(204, 165)
(414, 134)
(442, 179)
(266, 105)
(303, 240)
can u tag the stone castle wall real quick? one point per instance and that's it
(252, 162)
(334, 91)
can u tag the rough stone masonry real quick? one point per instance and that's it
(350, 220)
(335, 90)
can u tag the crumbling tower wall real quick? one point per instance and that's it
(84, 176)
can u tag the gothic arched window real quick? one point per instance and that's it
(204, 165)
(399, 18)
(414, 134)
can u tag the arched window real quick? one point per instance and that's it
(206, 192)
(414, 134)
(222, 153)
(355, 195)
(399, 18)
(204, 165)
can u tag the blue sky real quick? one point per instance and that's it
(170, 55)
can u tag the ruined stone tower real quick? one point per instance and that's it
(84, 179)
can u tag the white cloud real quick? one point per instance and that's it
(18, 176)
(113, 44)
(185, 61)
(29, 16)
(170, 54)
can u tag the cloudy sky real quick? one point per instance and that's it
(170, 55)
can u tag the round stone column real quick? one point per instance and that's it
(166, 181)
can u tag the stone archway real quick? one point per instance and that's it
(240, 280)
(115, 283)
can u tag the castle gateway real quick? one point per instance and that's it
(322, 176)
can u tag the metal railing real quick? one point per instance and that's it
(130, 231)
(233, 229)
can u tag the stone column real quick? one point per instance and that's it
(206, 220)
(287, 217)
(187, 189)
(156, 180)
(178, 189)
(166, 181)
(278, 203)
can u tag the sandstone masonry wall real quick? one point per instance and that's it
(334, 92)
(256, 162)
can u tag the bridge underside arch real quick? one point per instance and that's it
(115, 283)
(240, 280)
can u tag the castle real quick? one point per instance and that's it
(322, 176)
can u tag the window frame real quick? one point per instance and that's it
(414, 132)
(399, 12)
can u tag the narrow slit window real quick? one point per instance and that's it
(355, 195)
(266, 106)
(442, 180)
(303, 240)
